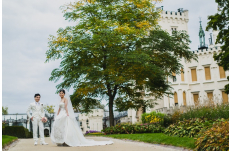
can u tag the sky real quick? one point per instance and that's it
(26, 26)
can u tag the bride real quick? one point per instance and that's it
(65, 129)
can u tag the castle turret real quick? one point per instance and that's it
(202, 38)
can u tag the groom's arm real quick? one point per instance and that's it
(28, 112)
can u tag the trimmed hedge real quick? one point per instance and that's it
(132, 129)
(18, 131)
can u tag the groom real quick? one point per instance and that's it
(37, 114)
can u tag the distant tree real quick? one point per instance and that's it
(115, 50)
(49, 108)
(4, 110)
(220, 21)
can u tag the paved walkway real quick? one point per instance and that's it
(119, 145)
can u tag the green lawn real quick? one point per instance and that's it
(7, 139)
(156, 138)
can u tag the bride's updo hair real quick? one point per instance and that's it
(62, 90)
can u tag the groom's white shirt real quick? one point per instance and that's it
(37, 110)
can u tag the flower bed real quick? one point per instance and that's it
(92, 132)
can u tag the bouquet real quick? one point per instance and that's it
(44, 119)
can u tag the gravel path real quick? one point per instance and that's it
(119, 145)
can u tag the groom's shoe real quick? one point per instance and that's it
(35, 143)
(43, 143)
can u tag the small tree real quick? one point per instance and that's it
(4, 110)
(49, 108)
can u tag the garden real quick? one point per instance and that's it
(200, 128)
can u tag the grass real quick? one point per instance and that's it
(6, 140)
(156, 138)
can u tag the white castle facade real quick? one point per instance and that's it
(200, 81)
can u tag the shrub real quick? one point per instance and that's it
(215, 138)
(189, 128)
(131, 129)
(153, 117)
(18, 131)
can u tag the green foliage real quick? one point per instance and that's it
(152, 117)
(215, 138)
(220, 21)
(210, 112)
(18, 131)
(112, 50)
(132, 129)
(6, 140)
(189, 128)
(4, 110)
(49, 108)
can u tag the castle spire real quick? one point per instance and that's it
(202, 37)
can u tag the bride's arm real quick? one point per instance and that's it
(66, 106)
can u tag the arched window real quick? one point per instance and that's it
(175, 99)
(182, 74)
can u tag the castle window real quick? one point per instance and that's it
(174, 76)
(175, 99)
(224, 97)
(182, 74)
(194, 75)
(196, 99)
(207, 73)
(222, 72)
(210, 97)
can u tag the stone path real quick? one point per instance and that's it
(119, 145)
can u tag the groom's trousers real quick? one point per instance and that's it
(37, 122)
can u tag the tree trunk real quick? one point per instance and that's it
(111, 114)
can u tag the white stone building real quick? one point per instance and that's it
(199, 81)
(91, 121)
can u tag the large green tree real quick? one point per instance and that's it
(116, 50)
(220, 21)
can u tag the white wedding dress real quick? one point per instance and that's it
(65, 129)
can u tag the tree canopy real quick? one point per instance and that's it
(220, 21)
(116, 50)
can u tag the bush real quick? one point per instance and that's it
(215, 138)
(131, 129)
(189, 128)
(153, 117)
(18, 131)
